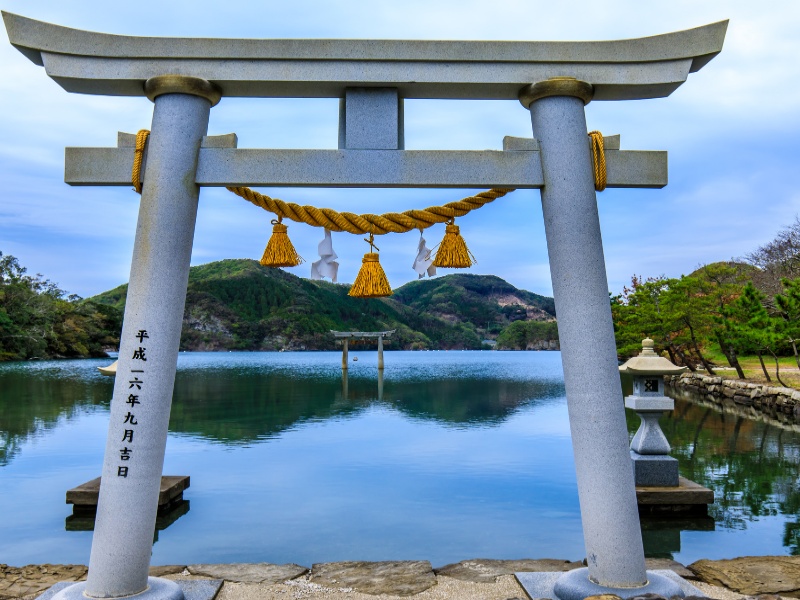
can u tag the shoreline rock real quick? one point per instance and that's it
(752, 575)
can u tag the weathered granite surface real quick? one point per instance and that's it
(16, 582)
(484, 570)
(401, 578)
(760, 578)
(164, 570)
(220, 166)
(655, 564)
(249, 572)
(753, 574)
(96, 63)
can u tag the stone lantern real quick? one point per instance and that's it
(652, 465)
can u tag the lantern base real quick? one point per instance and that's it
(653, 470)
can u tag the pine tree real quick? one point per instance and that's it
(788, 307)
(753, 329)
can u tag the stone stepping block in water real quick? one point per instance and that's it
(84, 497)
(249, 572)
(398, 578)
(752, 575)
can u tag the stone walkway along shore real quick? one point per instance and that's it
(762, 577)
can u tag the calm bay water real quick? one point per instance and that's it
(451, 455)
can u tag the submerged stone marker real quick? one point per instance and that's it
(185, 77)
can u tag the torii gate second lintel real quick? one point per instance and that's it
(186, 77)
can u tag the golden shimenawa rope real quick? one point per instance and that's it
(369, 223)
(138, 157)
(599, 160)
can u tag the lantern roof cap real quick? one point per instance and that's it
(650, 363)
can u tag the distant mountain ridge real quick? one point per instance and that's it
(237, 304)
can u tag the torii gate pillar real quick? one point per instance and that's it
(606, 490)
(148, 354)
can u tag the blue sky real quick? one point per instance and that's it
(732, 133)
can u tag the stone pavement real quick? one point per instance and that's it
(767, 578)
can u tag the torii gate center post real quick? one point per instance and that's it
(185, 77)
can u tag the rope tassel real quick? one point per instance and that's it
(371, 281)
(453, 252)
(279, 251)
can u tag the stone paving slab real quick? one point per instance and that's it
(658, 564)
(200, 589)
(469, 579)
(164, 570)
(484, 570)
(193, 589)
(16, 582)
(752, 574)
(32, 580)
(249, 572)
(401, 578)
(446, 588)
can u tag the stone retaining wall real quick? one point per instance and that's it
(774, 401)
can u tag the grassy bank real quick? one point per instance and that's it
(751, 366)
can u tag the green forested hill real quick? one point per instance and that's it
(478, 299)
(40, 320)
(240, 305)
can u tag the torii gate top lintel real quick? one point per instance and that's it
(649, 67)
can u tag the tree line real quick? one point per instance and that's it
(749, 306)
(40, 320)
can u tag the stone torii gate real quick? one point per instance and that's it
(346, 336)
(185, 77)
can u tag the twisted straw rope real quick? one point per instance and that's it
(598, 160)
(138, 157)
(368, 223)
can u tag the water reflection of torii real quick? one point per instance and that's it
(185, 77)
